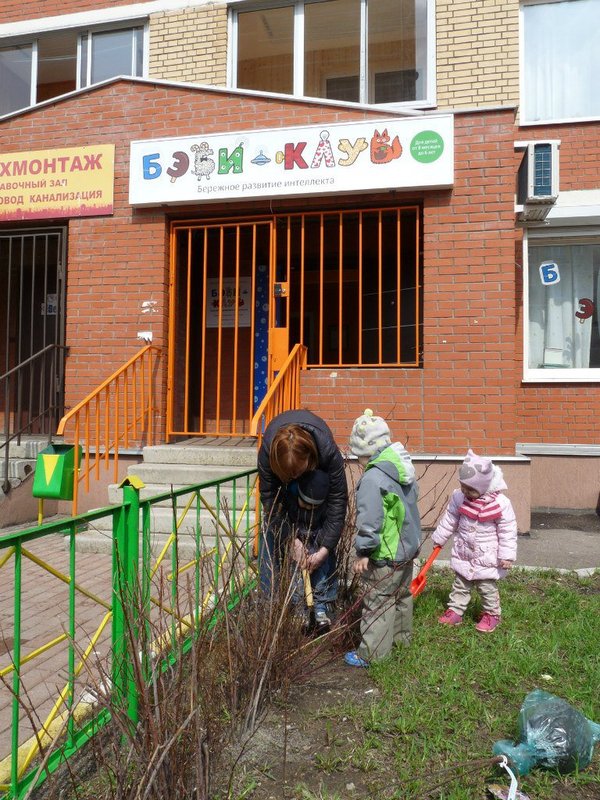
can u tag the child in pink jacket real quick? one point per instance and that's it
(483, 522)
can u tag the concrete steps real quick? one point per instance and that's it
(242, 455)
(22, 457)
(177, 466)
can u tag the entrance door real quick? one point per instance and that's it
(219, 326)
(344, 283)
(31, 319)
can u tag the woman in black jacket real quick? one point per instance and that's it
(296, 442)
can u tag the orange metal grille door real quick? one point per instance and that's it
(346, 284)
(215, 326)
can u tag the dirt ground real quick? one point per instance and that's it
(293, 753)
(295, 735)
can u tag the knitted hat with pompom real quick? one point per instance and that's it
(369, 434)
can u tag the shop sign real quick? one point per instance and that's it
(397, 153)
(66, 182)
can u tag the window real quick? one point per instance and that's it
(15, 78)
(265, 45)
(62, 61)
(368, 51)
(561, 61)
(110, 53)
(562, 341)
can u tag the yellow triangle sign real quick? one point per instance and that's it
(50, 462)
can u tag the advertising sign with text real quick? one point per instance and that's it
(66, 182)
(403, 153)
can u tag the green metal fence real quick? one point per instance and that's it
(173, 581)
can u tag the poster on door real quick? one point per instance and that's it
(223, 297)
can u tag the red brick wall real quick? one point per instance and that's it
(466, 392)
(115, 263)
(579, 152)
(469, 391)
(14, 11)
(563, 413)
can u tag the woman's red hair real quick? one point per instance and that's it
(293, 452)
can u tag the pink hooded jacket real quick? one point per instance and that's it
(478, 547)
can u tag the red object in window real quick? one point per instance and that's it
(586, 309)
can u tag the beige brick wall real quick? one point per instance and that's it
(477, 53)
(477, 50)
(190, 45)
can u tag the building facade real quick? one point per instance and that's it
(409, 188)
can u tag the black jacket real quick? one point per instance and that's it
(330, 461)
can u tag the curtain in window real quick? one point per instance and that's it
(557, 338)
(561, 60)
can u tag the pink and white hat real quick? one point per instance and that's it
(476, 472)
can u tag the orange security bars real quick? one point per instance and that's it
(353, 285)
(219, 274)
(346, 284)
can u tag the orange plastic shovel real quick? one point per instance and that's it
(418, 583)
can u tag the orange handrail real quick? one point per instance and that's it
(284, 392)
(283, 395)
(119, 410)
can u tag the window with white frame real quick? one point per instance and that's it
(58, 62)
(561, 60)
(368, 51)
(562, 336)
(15, 77)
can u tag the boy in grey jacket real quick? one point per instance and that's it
(388, 538)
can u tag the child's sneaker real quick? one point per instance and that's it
(487, 623)
(354, 660)
(450, 617)
(322, 622)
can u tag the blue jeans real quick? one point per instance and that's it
(272, 556)
(323, 580)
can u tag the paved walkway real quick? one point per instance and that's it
(44, 618)
(46, 602)
(546, 547)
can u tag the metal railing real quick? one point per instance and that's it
(118, 413)
(215, 518)
(31, 394)
(283, 394)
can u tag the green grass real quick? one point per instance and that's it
(447, 698)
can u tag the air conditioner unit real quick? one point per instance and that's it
(537, 179)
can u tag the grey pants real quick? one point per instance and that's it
(460, 595)
(387, 610)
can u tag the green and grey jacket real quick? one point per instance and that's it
(387, 517)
